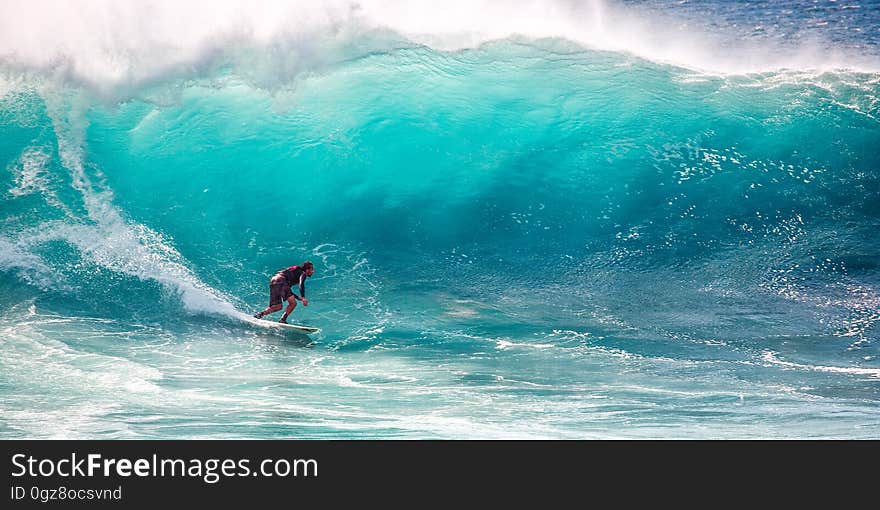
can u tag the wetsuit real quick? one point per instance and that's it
(280, 285)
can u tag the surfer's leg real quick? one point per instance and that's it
(277, 294)
(291, 304)
(267, 311)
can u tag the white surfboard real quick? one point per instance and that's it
(264, 323)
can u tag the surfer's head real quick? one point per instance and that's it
(309, 268)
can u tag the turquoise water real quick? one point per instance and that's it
(526, 236)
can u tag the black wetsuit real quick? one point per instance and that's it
(295, 275)
(280, 288)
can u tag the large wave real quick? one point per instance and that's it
(528, 219)
(573, 158)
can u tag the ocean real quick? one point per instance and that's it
(529, 220)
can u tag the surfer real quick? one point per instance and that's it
(280, 289)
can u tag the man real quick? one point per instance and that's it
(280, 289)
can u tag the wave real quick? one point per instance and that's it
(771, 357)
(593, 180)
(505, 202)
(118, 48)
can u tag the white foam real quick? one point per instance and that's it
(31, 176)
(105, 237)
(134, 250)
(7, 85)
(29, 173)
(107, 43)
(43, 359)
(13, 255)
(771, 357)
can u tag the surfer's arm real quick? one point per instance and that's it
(302, 289)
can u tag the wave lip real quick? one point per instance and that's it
(110, 45)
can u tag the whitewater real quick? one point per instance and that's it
(529, 220)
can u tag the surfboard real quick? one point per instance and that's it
(265, 323)
(296, 327)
